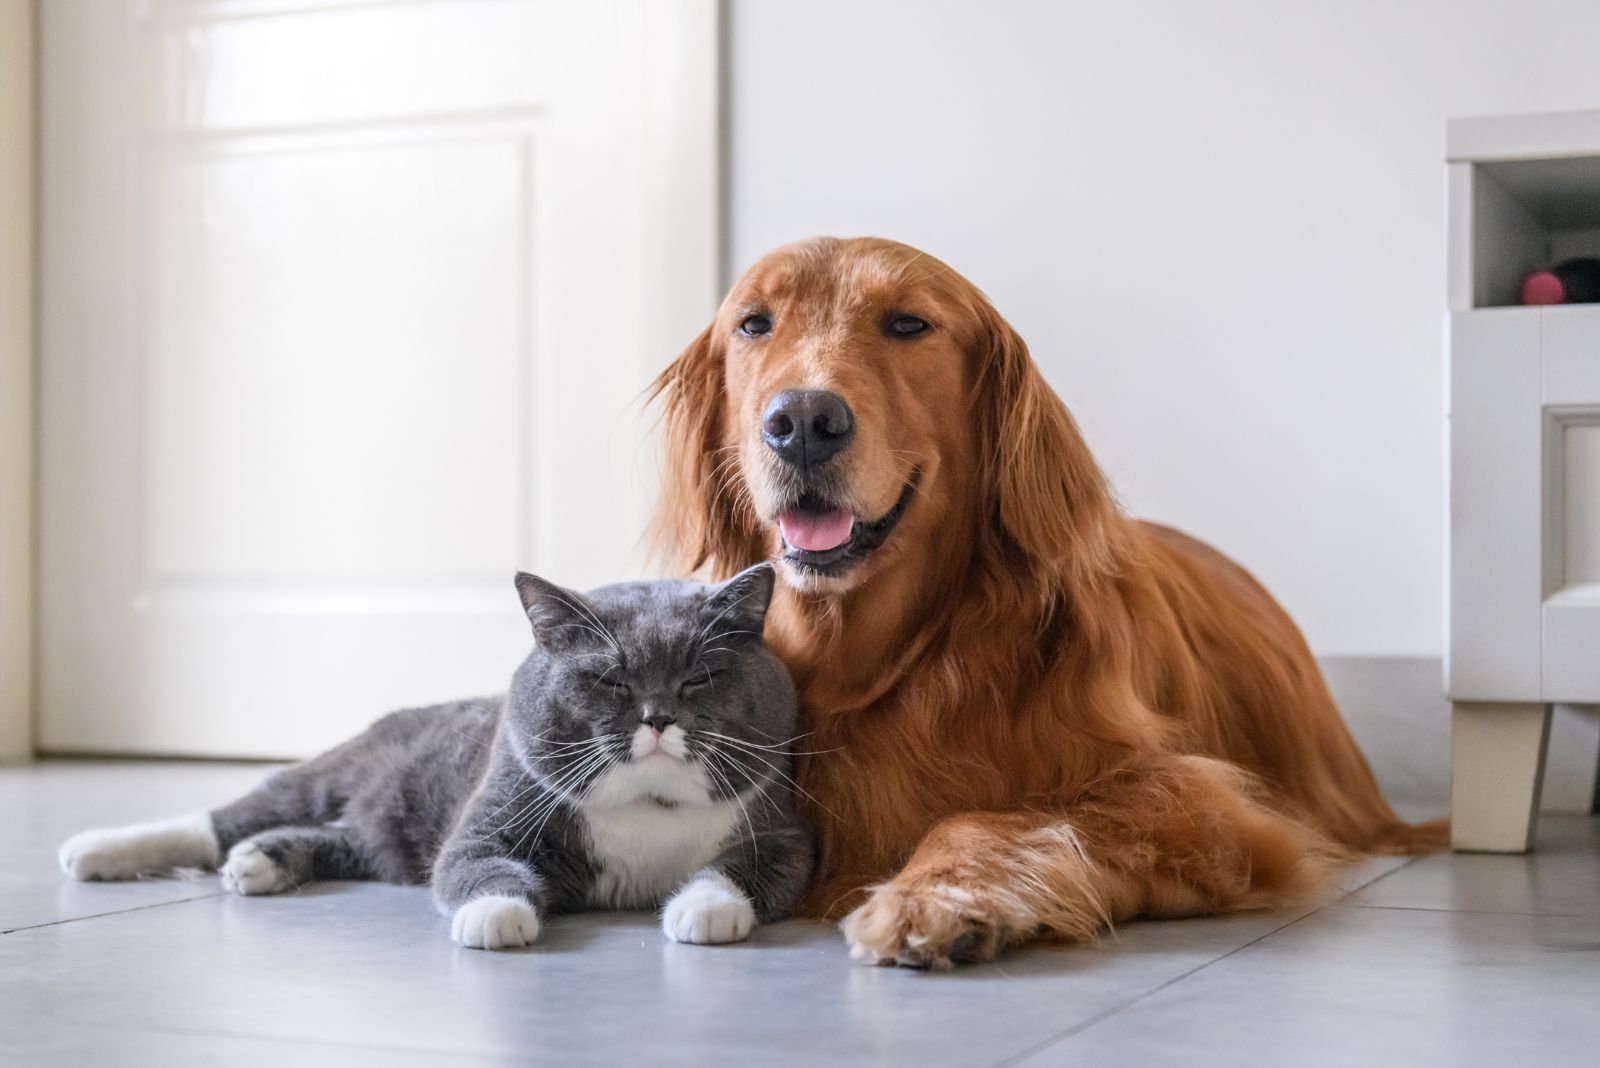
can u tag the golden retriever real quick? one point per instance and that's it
(1028, 715)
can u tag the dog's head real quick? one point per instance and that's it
(855, 406)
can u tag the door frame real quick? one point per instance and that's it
(17, 117)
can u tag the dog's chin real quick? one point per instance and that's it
(813, 583)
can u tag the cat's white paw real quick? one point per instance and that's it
(709, 910)
(249, 871)
(495, 921)
(142, 849)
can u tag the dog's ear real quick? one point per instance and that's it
(703, 518)
(1050, 501)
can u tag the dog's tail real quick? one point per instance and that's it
(1411, 839)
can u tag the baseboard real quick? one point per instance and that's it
(1397, 710)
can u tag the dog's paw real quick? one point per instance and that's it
(708, 910)
(495, 921)
(117, 853)
(933, 926)
(249, 871)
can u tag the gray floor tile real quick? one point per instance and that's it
(176, 973)
(1562, 878)
(1372, 987)
(1354, 878)
(123, 1048)
(44, 803)
(346, 963)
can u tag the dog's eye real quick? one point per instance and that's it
(905, 326)
(755, 325)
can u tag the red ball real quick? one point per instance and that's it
(1543, 288)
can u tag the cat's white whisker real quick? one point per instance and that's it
(569, 772)
(521, 792)
(608, 759)
(786, 778)
(779, 748)
(755, 848)
(564, 747)
(743, 769)
(758, 789)
(559, 792)
(571, 753)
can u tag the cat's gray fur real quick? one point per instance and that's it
(547, 795)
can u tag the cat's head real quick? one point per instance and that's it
(652, 689)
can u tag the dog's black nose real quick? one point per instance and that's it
(806, 427)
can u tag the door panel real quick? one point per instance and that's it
(317, 476)
(346, 311)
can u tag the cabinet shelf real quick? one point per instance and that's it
(1524, 194)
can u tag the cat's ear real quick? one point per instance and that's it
(558, 615)
(740, 604)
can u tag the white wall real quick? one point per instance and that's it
(1220, 226)
(16, 377)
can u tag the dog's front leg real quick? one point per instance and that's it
(1180, 836)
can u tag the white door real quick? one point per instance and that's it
(346, 310)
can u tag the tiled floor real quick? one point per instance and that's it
(1445, 960)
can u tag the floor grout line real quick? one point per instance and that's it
(1105, 1014)
(1098, 1017)
(1472, 912)
(1354, 890)
(112, 912)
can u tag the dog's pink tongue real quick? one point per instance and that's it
(816, 532)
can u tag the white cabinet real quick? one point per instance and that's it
(1524, 397)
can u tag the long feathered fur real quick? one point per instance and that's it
(1037, 716)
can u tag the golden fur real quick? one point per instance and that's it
(1030, 715)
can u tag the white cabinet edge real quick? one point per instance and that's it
(1511, 137)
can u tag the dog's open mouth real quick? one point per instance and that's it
(825, 539)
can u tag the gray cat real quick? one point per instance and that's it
(641, 756)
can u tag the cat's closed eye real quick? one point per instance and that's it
(603, 681)
(699, 682)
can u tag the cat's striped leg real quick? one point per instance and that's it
(158, 848)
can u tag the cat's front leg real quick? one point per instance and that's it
(710, 909)
(495, 921)
(491, 899)
(758, 880)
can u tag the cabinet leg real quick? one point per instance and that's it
(1497, 773)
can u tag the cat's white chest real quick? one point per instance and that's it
(644, 850)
